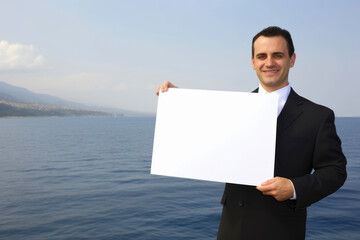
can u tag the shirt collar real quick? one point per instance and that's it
(282, 93)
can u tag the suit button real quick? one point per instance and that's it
(241, 203)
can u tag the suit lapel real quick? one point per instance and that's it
(290, 112)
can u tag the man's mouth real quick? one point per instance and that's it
(270, 71)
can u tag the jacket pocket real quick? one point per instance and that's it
(288, 209)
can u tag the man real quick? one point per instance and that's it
(309, 163)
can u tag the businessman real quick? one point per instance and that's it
(309, 162)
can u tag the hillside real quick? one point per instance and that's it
(17, 101)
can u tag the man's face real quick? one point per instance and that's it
(272, 62)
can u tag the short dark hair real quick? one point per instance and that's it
(273, 32)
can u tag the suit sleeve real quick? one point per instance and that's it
(329, 164)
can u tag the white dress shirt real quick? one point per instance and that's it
(283, 94)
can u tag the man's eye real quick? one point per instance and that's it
(261, 57)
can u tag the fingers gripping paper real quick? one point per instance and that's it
(215, 136)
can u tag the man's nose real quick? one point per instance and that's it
(270, 62)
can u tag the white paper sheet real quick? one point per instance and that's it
(215, 135)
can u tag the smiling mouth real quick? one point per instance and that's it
(270, 71)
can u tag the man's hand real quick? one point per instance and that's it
(164, 87)
(280, 188)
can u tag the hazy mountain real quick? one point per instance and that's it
(18, 101)
(10, 92)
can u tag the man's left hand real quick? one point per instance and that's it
(280, 188)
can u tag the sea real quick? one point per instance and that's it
(89, 178)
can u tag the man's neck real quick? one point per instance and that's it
(277, 90)
(273, 89)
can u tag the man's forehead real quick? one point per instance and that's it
(270, 44)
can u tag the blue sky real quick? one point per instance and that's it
(115, 53)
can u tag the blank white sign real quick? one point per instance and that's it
(215, 135)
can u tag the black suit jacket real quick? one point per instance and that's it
(308, 151)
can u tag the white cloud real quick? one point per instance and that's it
(19, 57)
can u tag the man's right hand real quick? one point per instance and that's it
(164, 87)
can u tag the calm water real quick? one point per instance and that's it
(88, 178)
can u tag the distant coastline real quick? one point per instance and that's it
(15, 109)
(21, 102)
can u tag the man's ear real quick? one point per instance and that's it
(292, 60)
(252, 62)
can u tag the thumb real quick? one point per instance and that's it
(267, 182)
